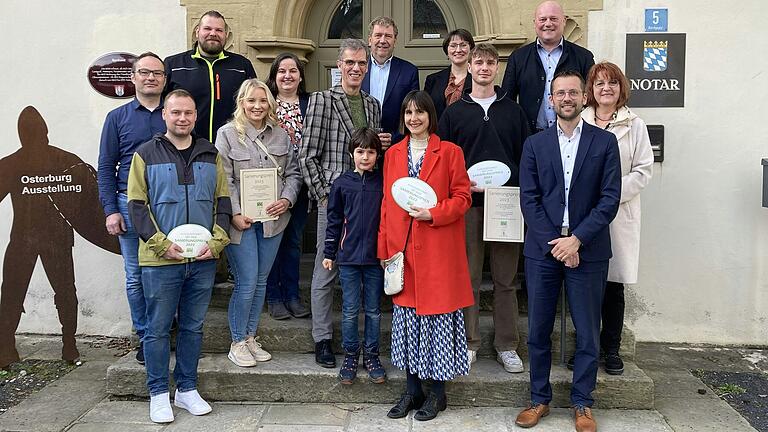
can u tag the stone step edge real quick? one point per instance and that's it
(216, 332)
(296, 378)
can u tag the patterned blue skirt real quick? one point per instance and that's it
(430, 346)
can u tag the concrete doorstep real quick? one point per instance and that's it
(291, 377)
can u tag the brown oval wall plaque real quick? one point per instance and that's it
(110, 75)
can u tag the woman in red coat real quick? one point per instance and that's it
(428, 337)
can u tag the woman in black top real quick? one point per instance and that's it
(447, 86)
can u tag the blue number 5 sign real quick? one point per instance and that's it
(656, 20)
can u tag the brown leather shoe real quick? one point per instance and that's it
(584, 420)
(530, 416)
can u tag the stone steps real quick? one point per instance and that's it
(223, 291)
(292, 377)
(295, 335)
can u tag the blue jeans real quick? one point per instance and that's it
(129, 247)
(283, 281)
(250, 262)
(370, 280)
(187, 288)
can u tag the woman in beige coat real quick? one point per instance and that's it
(253, 139)
(607, 95)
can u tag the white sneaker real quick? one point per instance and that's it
(241, 355)
(511, 361)
(471, 356)
(192, 402)
(160, 410)
(259, 354)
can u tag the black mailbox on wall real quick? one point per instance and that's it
(656, 134)
(765, 182)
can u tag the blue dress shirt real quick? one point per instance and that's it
(379, 78)
(125, 128)
(549, 59)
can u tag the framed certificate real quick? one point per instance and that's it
(258, 189)
(502, 217)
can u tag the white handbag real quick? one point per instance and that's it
(393, 273)
(394, 267)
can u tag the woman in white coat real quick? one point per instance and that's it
(607, 95)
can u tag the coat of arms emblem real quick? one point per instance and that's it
(655, 56)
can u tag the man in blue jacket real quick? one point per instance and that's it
(175, 179)
(530, 69)
(570, 185)
(389, 78)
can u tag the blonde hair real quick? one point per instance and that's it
(239, 118)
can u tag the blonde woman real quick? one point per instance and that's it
(253, 139)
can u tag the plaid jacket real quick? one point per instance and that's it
(327, 129)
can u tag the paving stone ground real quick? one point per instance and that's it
(78, 402)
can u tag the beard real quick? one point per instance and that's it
(568, 117)
(212, 46)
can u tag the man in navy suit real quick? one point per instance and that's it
(530, 69)
(570, 185)
(389, 78)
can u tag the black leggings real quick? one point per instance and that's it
(413, 386)
(613, 317)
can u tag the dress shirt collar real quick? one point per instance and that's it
(385, 64)
(136, 105)
(576, 130)
(541, 47)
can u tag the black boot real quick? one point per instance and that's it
(406, 403)
(324, 355)
(613, 363)
(432, 406)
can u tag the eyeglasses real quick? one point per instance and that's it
(462, 45)
(609, 83)
(351, 63)
(560, 94)
(145, 73)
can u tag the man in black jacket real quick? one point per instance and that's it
(489, 126)
(530, 69)
(210, 74)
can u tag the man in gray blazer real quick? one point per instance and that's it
(332, 116)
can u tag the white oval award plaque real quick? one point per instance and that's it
(489, 173)
(411, 192)
(191, 238)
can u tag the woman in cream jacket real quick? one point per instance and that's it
(607, 95)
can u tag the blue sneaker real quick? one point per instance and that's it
(376, 372)
(348, 371)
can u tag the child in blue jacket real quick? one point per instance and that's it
(354, 207)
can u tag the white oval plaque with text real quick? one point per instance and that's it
(191, 238)
(411, 192)
(489, 173)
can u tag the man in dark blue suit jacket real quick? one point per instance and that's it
(570, 185)
(530, 69)
(392, 76)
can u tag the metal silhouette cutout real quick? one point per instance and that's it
(53, 193)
